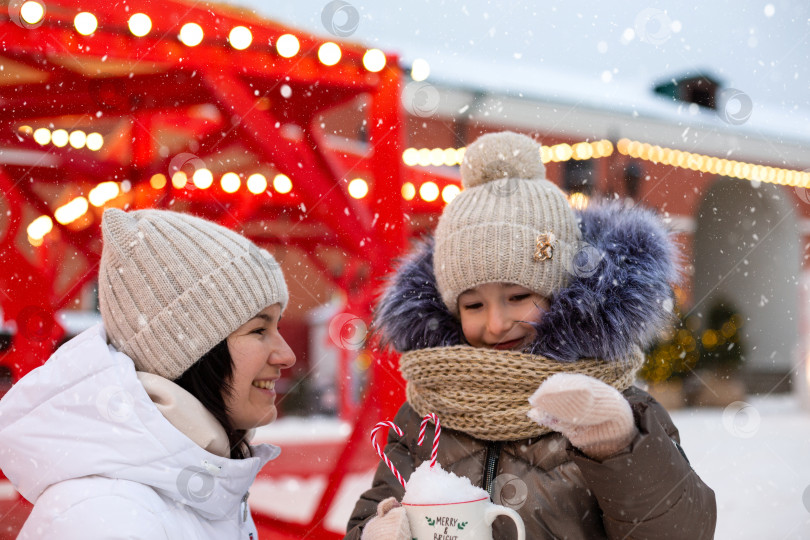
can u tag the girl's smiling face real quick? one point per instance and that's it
(499, 315)
(259, 353)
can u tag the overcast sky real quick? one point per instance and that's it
(759, 47)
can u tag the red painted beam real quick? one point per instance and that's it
(324, 197)
(25, 294)
(113, 96)
(388, 237)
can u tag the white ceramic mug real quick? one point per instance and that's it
(469, 520)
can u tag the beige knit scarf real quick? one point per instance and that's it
(484, 392)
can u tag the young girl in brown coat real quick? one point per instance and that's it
(521, 326)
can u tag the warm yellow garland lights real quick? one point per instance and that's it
(437, 157)
(61, 137)
(202, 179)
(430, 191)
(713, 165)
(192, 34)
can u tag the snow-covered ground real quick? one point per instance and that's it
(755, 457)
(756, 460)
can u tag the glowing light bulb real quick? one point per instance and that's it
(32, 12)
(424, 157)
(240, 38)
(582, 151)
(202, 178)
(191, 34)
(450, 157)
(287, 45)
(105, 191)
(85, 23)
(158, 181)
(282, 183)
(408, 191)
(358, 188)
(329, 53)
(562, 152)
(410, 156)
(60, 138)
(374, 60)
(449, 192)
(42, 136)
(578, 200)
(38, 228)
(420, 70)
(257, 183)
(94, 141)
(77, 139)
(429, 191)
(437, 157)
(139, 24)
(179, 180)
(230, 182)
(71, 211)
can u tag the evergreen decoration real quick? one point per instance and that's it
(685, 346)
(720, 343)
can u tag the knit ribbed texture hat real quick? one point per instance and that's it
(171, 286)
(509, 224)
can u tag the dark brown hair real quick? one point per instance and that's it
(209, 380)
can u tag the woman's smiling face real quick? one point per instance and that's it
(259, 353)
(499, 315)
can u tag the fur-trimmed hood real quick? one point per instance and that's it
(618, 295)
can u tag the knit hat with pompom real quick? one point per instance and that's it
(509, 224)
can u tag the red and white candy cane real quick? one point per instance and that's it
(435, 451)
(378, 427)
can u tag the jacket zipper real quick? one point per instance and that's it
(491, 466)
(245, 507)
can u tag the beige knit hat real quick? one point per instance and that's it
(171, 286)
(509, 224)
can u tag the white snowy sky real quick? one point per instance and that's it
(758, 47)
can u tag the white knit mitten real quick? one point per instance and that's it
(593, 415)
(390, 523)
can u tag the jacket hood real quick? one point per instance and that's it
(618, 295)
(85, 412)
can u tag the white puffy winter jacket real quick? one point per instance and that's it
(81, 440)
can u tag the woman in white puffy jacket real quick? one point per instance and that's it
(138, 428)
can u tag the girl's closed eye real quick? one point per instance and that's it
(473, 306)
(259, 331)
(520, 297)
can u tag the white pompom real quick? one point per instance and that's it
(501, 155)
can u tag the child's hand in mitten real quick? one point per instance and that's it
(594, 416)
(390, 523)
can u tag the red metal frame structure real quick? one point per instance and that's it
(253, 107)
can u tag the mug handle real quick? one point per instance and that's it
(495, 510)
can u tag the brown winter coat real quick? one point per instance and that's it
(648, 491)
